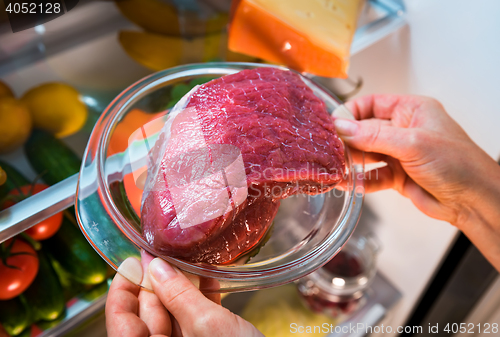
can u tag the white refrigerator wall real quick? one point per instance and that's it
(450, 50)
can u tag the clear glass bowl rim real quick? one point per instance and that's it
(289, 271)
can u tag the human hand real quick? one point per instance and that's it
(430, 159)
(176, 308)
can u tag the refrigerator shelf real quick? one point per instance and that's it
(36, 208)
(383, 296)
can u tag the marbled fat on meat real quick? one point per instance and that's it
(285, 137)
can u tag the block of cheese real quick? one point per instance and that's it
(312, 36)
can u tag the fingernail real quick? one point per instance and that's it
(346, 127)
(131, 269)
(160, 270)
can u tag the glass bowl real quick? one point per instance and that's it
(307, 231)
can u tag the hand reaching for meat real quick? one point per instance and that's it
(432, 161)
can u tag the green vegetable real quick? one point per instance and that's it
(50, 157)
(71, 287)
(25, 333)
(200, 80)
(45, 325)
(74, 254)
(45, 295)
(180, 89)
(95, 292)
(14, 316)
(14, 179)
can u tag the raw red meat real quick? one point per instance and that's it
(238, 145)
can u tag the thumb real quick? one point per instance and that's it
(181, 298)
(376, 135)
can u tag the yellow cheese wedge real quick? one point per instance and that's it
(311, 36)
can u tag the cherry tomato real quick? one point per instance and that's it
(18, 268)
(44, 229)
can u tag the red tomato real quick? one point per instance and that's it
(46, 228)
(18, 270)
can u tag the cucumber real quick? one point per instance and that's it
(71, 287)
(14, 316)
(74, 254)
(45, 295)
(50, 157)
(56, 161)
(25, 333)
(14, 179)
(45, 325)
(96, 291)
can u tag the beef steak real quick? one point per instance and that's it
(229, 153)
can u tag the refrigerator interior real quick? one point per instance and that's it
(81, 48)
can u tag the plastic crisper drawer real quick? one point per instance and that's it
(80, 48)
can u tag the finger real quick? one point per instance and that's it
(379, 179)
(181, 298)
(426, 202)
(376, 179)
(154, 314)
(387, 177)
(209, 286)
(366, 157)
(393, 177)
(374, 135)
(151, 310)
(176, 328)
(385, 106)
(146, 258)
(122, 306)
